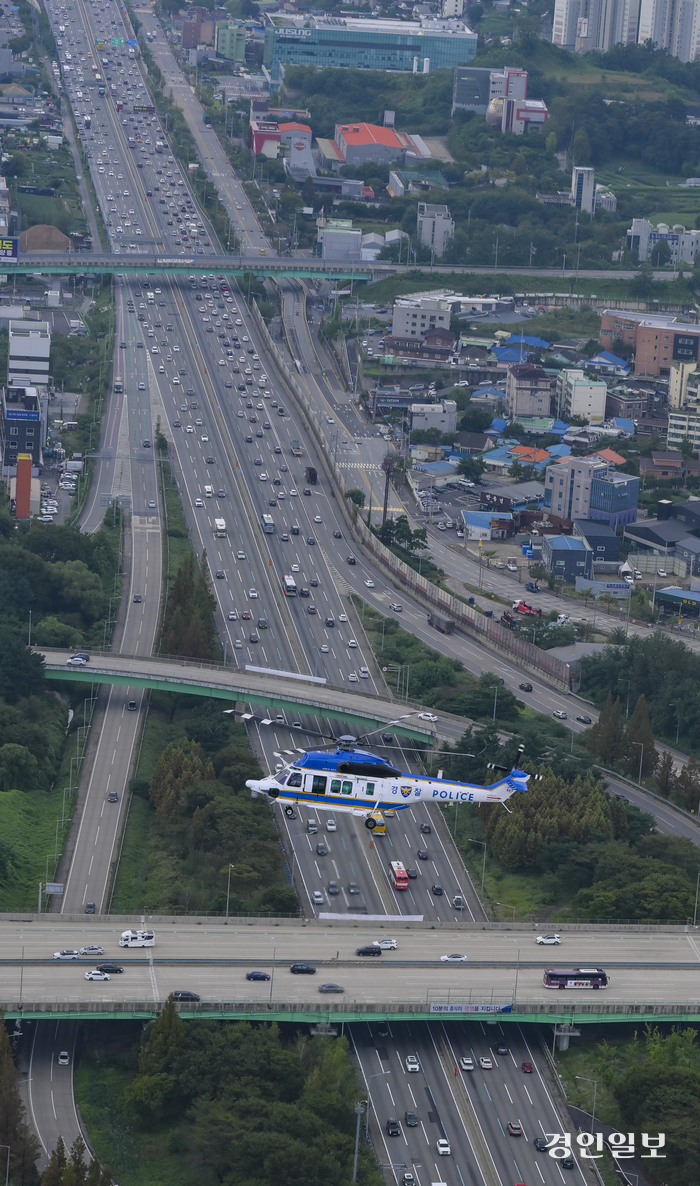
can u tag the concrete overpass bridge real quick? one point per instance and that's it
(653, 971)
(101, 263)
(285, 691)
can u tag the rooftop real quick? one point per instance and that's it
(426, 27)
(566, 543)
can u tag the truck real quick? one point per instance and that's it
(296, 448)
(118, 385)
(137, 939)
(310, 475)
(151, 298)
(441, 622)
(509, 620)
(87, 121)
(220, 528)
(524, 607)
(159, 145)
(101, 89)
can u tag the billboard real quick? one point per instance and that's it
(618, 588)
(9, 248)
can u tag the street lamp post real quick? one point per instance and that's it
(228, 888)
(697, 887)
(595, 1088)
(359, 1110)
(641, 759)
(508, 906)
(483, 868)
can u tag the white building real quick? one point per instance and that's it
(583, 188)
(673, 27)
(414, 315)
(579, 396)
(684, 245)
(338, 240)
(451, 8)
(435, 226)
(585, 25)
(442, 416)
(28, 354)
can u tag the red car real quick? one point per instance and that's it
(306, 490)
(527, 1067)
(246, 615)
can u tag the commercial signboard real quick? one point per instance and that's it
(471, 1008)
(9, 248)
(619, 589)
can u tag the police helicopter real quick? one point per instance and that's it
(359, 782)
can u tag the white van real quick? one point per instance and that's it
(137, 939)
(208, 491)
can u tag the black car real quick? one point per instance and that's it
(370, 949)
(321, 849)
(585, 720)
(333, 888)
(352, 560)
(302, 969)
(337, 535)
(313, 582)
(437, 890)
(113, 969)
(422, 854)
(90, 908)
(353, 888)
(412, 874)
(411, 1120)
(502, 1048)
(426, 829)
(184, 994)
(568, 1163)
(310, 539)
(540, 1144)
(393, 1128)
(257, 976)
(525, 687)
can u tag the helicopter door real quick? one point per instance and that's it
(318, 784)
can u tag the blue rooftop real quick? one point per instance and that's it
(510, 353)
(566, 543)
(438, 469)
(538, 343)
(483, 518)
(605, 358)
(480, 392)
(559, 450)
(625, 424)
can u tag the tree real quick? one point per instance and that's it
(75, 1173)
(19, 769)
(471, 467)
(687, 789)
(14, 1132)
(179, 767)
(551, 143)
(606, 739)
(686, 447)
(660, 254)
(519, 165)
(640, 749)
(666, 774)
(356, 496)
(582, 147)
(53, 1174)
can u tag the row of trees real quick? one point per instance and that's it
(15, 1133)
(71, 1169)
(243, 1104)
(188, 629)
(622, 743)
(201, 819)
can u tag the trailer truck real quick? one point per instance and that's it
(311, 475)
(441, 622)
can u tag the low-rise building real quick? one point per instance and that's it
(683, 245)
(435, 226)
(436, 345)
(600, 537)
(669, 466)
(441, 415)
(23, 426)
(658, 339)
(689, 550)
(630, 404)
(579, 396)
(28, 356)
(527, 391)
(682, 423)
(338, 240)
(413, 316)
(484, 526)
(567, 556)
(230, 39)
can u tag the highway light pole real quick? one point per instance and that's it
(483, 868)
(359, 1111)
(641, 759)
(228, 888)
(595, 1088)
(697, 887)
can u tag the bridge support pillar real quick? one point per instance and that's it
(563, 1035)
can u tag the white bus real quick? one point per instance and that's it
(290, 586)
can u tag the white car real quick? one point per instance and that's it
(443, 1147)
(486, 1064)
(293, 493)
(324, 648)
(353, 677)
(253, 594)
(318, 519)
(66, 955)
(352, 644)
(92, 949)
(412, 1063)
(342, 617)
(467, 1064)
(295, 568)
(369, 584)
(95, 974)
(198, 502)
(386, 944)
(454, 959)
(427, 716)
(75, 660)
(549, 940)
(64, 1059)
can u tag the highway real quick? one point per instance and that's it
(213, 958)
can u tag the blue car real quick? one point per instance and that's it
(257, 976)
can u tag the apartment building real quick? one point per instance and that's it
(414, 315)
(683, 245)
(579, 396)
(28, 354)
(435, 226)
(528, 391)
(658, 339)
(586, 488)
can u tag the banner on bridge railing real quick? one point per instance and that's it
(471, 1008)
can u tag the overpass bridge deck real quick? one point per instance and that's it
(100, 263)
(276, 690)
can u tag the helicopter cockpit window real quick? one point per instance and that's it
(294, 780)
